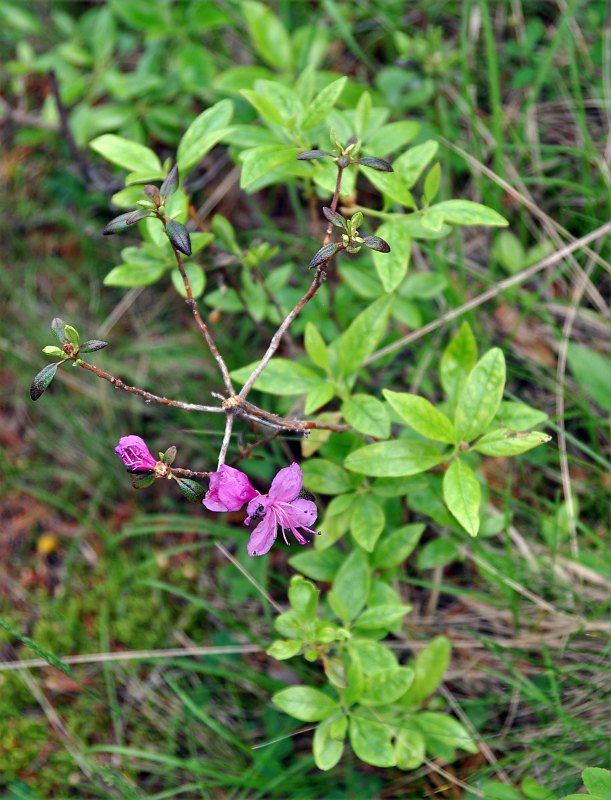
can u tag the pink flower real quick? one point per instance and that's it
(229, 490)
(134, 453)
(282, 507)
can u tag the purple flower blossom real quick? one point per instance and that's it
(282, 507)
(229, 490)
(134, 453)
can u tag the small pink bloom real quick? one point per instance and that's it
(134, 453)
(229, 490)
(281, 507)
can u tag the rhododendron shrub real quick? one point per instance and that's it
(359, 446)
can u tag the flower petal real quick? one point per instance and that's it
(287, 484)
(263, 536)
(301, 512)
(134, 453)
(229, 490)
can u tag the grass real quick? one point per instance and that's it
(522, 89)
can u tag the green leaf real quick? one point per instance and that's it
(391, 137)
(191, 490)
(326, 748)
(351, 584)
(597, 781)
(282, 649)
(392, 186)
(462, 494)
(71, 334)
(363, 334)
(197, 280)
(591, 370)
(431, 182)
(410, 748)
(57, 327)
(203, 133)
(367, 415)
(319, 396)
(392, 267)
(367, 523)
(320, 565)
(466, 212)
(259, 161)
(305, 703)
(371, 655)
(386, 685)
(370, 741)
(508, 250)
(503, 442)
(422, 416)
(323, 103)
(281, 376)
(303, 597)
(457, 361)
(394, 548)
(393, 459)
(315, 346)
(410, 166)
(424, 286)
(127, 154)
(42, 380)
(326, 477)
(437, 553)
(381, 616)
(53, 350)
(481, 396)
(128, 275)
(519, 416)
(445, 730)
(268, 35)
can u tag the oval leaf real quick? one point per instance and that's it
(305, 703)
(178, 236)
(367, 522)
(481, 395)
(202, 134)
(386, 686)
(393, 459)
(462, 494)
(130, 155)
(370, 741)
(42, 380)
(363, 334)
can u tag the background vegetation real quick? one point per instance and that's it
(519, 95)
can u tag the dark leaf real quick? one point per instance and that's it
(152, 192)
(375, 243)
(375, 163)
(144, 481)
(312, 154)
(42, 380)
(91, 345)
(343, 162)
(123, 221)
(178, 236)
(57, 326)
(169, 455)
(324, 254)
(334, 217)
(170, 184)
(191, 489)
(352, 140)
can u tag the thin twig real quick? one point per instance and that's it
(253, 413)
(246, 451)
(226, 437)
(493, 291)
(148, 396)
(189, 473)
(316, 283)
(202, 325)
